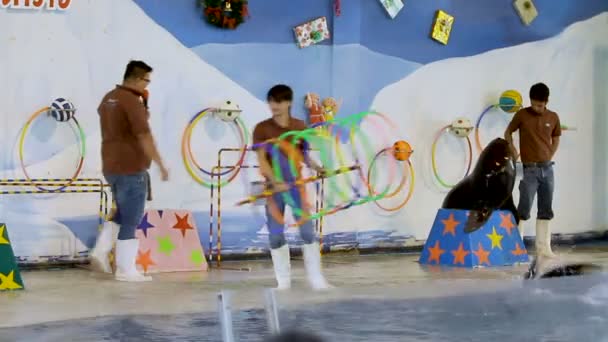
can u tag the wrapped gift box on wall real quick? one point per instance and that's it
(392, 7)
(442, 27)
(526, 10)
(10, 277)
(312, 32)
(496, 243)
(169, 242)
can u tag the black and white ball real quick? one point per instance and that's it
(62, 110)
(228, 111)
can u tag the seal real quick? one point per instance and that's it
(560, 270)
(489, 187)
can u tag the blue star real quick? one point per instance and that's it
(144, 225)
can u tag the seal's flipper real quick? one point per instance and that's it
(569, 270)
(476, 219)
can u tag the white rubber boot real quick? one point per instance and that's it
(312, 262)
(282, 267)
(543, 239)
(100, 255)
(126, 254)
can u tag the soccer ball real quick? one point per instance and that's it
(461, 127)
(228, 111)
(62, 110)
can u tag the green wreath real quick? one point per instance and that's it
(224, 13)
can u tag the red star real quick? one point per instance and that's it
(182, 224)
(506, 222)
(460, 254)
(435, 252)
(518, 251)
(482, 255)
(449, 225)
(145, 260)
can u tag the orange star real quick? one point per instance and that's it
(518, 251)
(145, 260)
(182, 224)
(506, 222)
(449, 225)
(482, 255)
(460, 254)
(435, 252)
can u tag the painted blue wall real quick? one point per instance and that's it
(367, 50)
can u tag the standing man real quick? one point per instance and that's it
(539, 132)
(280, 98)
(127, 150)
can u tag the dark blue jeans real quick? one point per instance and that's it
(129, 193)
(276, 230)
(537, 179)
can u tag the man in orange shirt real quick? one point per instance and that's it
(127, 150)
(539, 132)
(280, 98)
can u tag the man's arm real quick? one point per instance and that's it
(513, 126)
(554, 145)
(138, 120)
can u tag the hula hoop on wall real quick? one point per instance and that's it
(190, 162)
(478, 123)
(434, 157)
(80, 136)
(407, 164)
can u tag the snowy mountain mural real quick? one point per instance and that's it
(81, 53)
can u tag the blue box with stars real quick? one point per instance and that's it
(496, 243)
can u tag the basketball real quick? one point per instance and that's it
(510, 101)
(402, 150)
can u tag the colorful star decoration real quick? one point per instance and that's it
(145, 225)
(7, 282)
(3, 240)
(145, 260)
(450, 225)
(506, 222)
(165, 245)
(448, 244)
(197, 257)
(182, 224)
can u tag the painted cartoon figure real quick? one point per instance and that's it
(330, 108)
(315, 111)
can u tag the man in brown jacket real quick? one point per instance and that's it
(127, 150)
(539, 132)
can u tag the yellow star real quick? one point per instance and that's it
(3, 241)
(496, 238)
(8, 282)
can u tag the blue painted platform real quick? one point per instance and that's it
(496, 243)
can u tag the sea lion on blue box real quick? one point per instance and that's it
(489, 187)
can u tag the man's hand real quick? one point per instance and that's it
(164, 173)
(280, 187)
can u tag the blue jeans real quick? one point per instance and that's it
(277, 230)
(537, 179)
(129, 193)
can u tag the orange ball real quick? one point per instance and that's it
(402, 150)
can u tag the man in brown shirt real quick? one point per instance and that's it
(280, 99)
(127, 150)
(539, 132)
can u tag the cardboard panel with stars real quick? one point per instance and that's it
(496, 243)
(169, 242)
(10, 277)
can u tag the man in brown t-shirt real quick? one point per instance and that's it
(127, 150)
(280, 99)
(539, 132)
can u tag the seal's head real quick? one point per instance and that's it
(495, 158)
